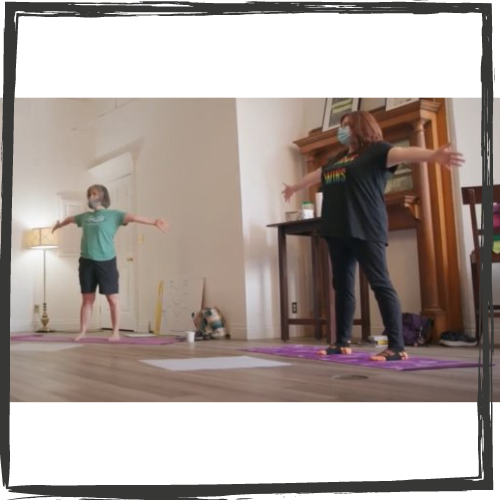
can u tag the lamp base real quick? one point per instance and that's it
(44, 330)
(45, 321)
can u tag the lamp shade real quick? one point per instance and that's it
(42, 237)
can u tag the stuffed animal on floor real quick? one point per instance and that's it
(209, 324)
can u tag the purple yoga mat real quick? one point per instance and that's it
(97, 340)
(362, 359)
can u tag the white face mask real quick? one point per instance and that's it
(94, 202)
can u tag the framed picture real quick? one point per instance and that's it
(335, 108)
(371, 103)
(397, 102)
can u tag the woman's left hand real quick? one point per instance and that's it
(448, 158)
(161, 224)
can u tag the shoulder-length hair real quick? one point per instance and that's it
(105, 199)
(364, 127)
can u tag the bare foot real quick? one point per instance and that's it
(114, 338)
(80, 337)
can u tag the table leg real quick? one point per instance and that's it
(315, 253)
(283, 277)
(475, 294)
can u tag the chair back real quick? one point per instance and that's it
(472, 196)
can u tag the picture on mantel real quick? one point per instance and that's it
(335, 108)
(397, 102)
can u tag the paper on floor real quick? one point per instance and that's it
(219, 363)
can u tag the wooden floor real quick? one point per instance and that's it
(97, 372)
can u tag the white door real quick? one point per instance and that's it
(120, 192)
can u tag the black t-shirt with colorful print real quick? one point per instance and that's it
(353, 194)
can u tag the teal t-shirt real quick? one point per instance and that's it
(99, 229)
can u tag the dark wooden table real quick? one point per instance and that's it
(323, 293)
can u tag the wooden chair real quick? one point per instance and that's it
(472, 196)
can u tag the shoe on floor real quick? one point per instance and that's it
(457, 339)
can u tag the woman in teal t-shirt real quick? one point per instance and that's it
(97, 264)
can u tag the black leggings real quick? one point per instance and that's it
(344, 253)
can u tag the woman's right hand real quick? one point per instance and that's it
(288, 192)
(57, 226)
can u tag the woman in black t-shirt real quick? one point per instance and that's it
(355, 224)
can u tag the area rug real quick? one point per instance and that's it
(362, 359)
(161, 340)
(219, 363)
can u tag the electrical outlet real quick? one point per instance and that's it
(37, 308)
(294, 307)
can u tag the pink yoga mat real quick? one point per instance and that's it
(160, 340)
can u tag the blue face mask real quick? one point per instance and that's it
(344, 135)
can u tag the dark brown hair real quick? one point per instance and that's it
(105, 199)
(364, 128)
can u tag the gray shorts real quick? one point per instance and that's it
(102, 273)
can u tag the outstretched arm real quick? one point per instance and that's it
(159, 223)
(443, 155)
(65, 222)
(311, 178)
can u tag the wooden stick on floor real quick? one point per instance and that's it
(159, 307)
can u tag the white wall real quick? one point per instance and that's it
(185, 156)
(48, 158)
(186, 166)
(266, 131)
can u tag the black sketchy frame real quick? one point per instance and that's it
(484, 478)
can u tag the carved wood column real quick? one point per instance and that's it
(429, 291)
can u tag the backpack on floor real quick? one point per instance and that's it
(209, 324)
(417, 329)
